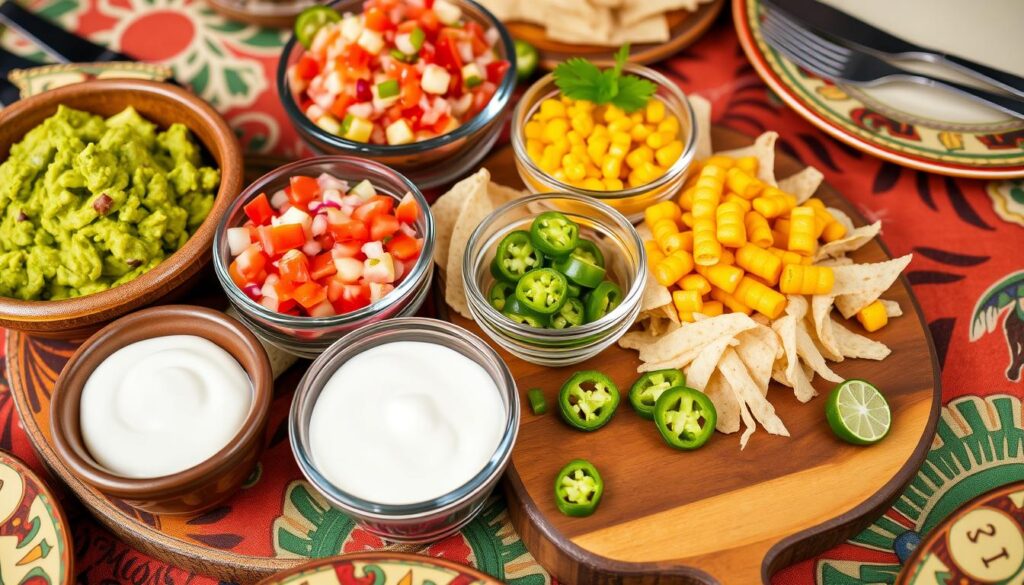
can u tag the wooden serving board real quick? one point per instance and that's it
(719, 514)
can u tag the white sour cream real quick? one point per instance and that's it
(163, 405)
(405, 422)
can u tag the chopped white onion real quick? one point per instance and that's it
(465, 51)
(279, 199)
(238, 240)
(408, 230)
(373, 249)
(329, 181)
(319, 225)
(312, 248)
(361, 110)
(492, 36)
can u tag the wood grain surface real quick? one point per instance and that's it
(719, 514)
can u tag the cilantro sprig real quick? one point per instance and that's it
(580, 79)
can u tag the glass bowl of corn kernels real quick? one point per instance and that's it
(628, 160)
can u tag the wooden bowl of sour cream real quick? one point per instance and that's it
(173, 400)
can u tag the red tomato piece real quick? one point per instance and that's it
(302, 190)
(475, 32)
(344, 228)
(310, 294)
(259, 209)
(403, 247)
(264, 235)
(250, 262)
(408, 211)
(376, 19)
(294, 267)
(348, 249)
(429, 21)
(377, 205)
(351, 297)
(340, 106)
(287, 237)
(307, 67)
(496, 71)
(382, 226)
(236, 276)
(411, 93)
(322, 266)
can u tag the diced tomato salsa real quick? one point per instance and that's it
(402, 71)
(319, 248)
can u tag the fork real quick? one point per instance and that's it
(838, 63)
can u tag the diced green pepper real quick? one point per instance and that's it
(578, 488)
(311, 20)
(416, 38)
(588, 400)
(580, 271)
(516, 255)
(543, 290)
(648, 388)
(602, 300)
(570, 315)
(500, 291)
(517, 311)
(685, 417)
(554, 234)
(388, 88)
(537, 402)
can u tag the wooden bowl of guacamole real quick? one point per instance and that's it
(110, 193)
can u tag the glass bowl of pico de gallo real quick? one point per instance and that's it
(422, 86)
(320, 247)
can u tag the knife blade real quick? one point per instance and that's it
(830, 21)
(60, 45)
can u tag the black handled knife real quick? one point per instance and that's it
(830, 21)
(59, 44)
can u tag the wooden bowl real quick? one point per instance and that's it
(162, 104)
(197, 488)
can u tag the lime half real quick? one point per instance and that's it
(858, 413)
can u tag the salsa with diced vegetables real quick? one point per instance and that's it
(401, 71)
(319, 248)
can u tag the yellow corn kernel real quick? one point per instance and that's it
(695, 282)
(555, 130)
(579, 151)
(583, 123)
(600, 130)
(759, 262)
(763, 299)
(597, 146)
(573, 168)
(706, 248)
(677, 241)
(798, 279)
(727, 257)
(585, 106)
(613, 184)
(662, 210)
(612, 113)
(669, 126)
(620, 144)
(640, 132)
(655, 111)
(648, 172)
(749, 164)
(773, 202)
(687, 301)
(872, 317)
(833, 231)
(658, 139)
(559, 175)
(758, 231)
(638, 156)
(685, 200)
(574, 138)
(534, 129)
(623, 124)
(551, 108)
(742, 183)
(663, 228)
(611, 166)
(729, 227)
(534, 148)
(802, 238)
(687, 219)
(593, 184)
(550, 161)
(592, 171)
(729, 301)
(723, 276)
(566, 100)
(788, 257)
(712, 308)
(673, 267)
(734, 198)
(654, 254)
(721, 161)
(669, 154)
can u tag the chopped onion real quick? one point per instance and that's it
(399, 270)
(312, 248)
(373, 249)
(462, 104)
(329, 181)
(271, 303)
(492, 36)
(324, 309)
(238, 240)
(485, 59)
(407, 230)
(253, 291)
(332, 197)
(465, 51)
(319, 224)
(361, 110)
(279, 199)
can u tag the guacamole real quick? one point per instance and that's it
(87, 204)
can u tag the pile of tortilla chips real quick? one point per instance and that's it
(456, 214)
(733, 357)
(595, 22)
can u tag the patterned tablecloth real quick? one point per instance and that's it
(967, 238)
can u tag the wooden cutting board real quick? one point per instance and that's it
(719, 514)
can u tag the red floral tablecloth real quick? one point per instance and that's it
(967, 241)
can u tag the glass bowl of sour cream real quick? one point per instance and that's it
(164, 408)
(406, 425)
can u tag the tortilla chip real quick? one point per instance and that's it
(854, 345)
(653, 29)
(501, 194)
(659, 321)
(746, 391)
(859, 285)
(806, 349)
(446, 209)
(764, 149)
(699, 372)
(803, 184)
(635, 12)
(474, 209)
(689, 337)
(726, 406)
(853, 240)
(702, 124)
(892, 308)
(759, 348)
(576, 21)
(821, 310)
(840, 261)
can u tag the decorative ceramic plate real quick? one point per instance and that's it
(981, 543)
(685, 28)
(35, 545)
(922, 128)
(381, 568)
